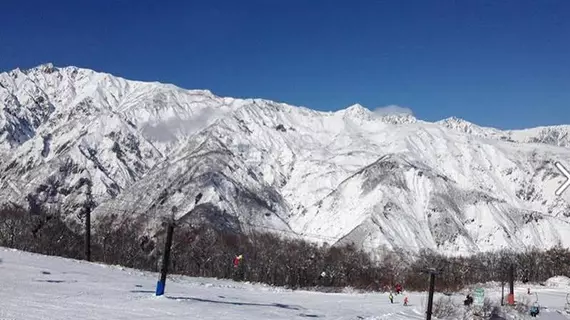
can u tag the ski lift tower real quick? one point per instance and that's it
(432, 273)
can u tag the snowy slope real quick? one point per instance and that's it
(89, 135)
(40, 287)
(553, 135)
(80, 138)
(43, 287)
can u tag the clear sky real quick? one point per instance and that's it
(502, 63)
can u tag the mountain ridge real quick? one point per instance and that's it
(81, 138)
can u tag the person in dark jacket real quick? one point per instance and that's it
(468, 300)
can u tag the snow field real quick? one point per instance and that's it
(43, 287)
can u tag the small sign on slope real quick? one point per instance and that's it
(479, 297)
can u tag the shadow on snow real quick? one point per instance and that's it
(236, 303)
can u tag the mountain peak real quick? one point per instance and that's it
(356, 112)
(454, 119)
(388, 115)
(462, 125)
(357, 108)
(47, 67)
(398, 118)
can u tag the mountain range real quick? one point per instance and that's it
(72, 138)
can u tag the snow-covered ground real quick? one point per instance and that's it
(43, 287)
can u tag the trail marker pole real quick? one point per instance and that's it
(165, 260)
(511, 297)
(88, 233)
(502, 293)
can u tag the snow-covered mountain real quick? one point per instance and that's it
(78, 138)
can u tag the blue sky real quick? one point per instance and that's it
(503, 63)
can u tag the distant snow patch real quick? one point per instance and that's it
(558, 282)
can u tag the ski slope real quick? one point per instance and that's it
(43, 287)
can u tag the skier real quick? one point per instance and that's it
(237, 260)
(406, 301)
(468, 300)
(534, 310)
(398, 288)
(239, 272)
(391, 297)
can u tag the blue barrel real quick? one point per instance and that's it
(159, 288)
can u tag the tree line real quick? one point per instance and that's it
(205, 251)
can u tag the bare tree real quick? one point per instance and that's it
(206, 251)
